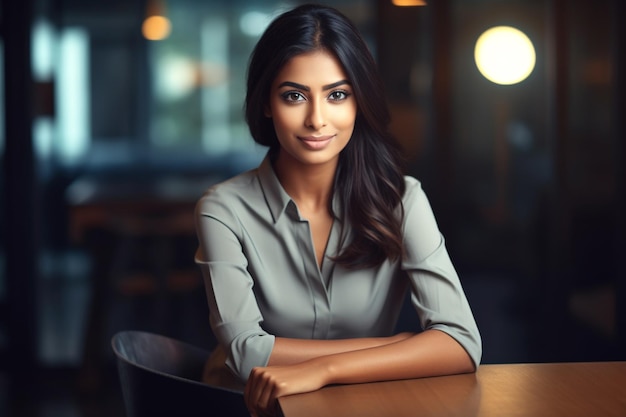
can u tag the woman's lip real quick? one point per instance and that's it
(316, 142)
(315, 138)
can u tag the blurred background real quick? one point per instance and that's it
(117, 114)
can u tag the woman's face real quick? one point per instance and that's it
(313, 109)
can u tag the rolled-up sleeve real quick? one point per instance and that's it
(234, 314)
(436, 291)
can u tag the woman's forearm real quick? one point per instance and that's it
(430, 353)
(288, 351)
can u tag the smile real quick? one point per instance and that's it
(316, 142)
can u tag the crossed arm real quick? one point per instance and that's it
(297, 366)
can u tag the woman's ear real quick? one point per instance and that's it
(267, 111)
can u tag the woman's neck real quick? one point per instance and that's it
(309, 185)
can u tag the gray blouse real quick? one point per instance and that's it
(262, 279)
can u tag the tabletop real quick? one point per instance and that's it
(543, 389)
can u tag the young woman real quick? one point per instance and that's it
(307, 258)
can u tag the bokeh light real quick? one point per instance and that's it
(504, 55)
(408, 3)
(156, 28)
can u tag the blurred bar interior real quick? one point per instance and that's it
(116, 114)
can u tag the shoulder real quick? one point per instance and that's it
(226, 196)
(415, 203)
(413, 190)
(411, 182)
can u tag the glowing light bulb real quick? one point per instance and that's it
(156, 28)
(504, 55)
(408, 3)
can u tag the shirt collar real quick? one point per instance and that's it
(275, 195)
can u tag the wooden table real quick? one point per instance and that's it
(594, 389)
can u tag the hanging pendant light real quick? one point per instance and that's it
(156, 26)
(408, 3)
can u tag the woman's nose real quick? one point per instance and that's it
(315, 117)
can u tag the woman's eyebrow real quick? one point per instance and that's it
(333, 85)
(307, 88)
(294, 85)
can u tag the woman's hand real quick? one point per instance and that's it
(266, 384)
(407, 355)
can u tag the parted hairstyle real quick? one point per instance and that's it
(369, 181)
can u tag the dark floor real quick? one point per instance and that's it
(59, 390)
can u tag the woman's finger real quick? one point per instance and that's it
(256, 392)
(251, 392)
(267, 396)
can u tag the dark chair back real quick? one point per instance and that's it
(161, 376)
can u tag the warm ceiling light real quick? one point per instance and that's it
(504, 55)
(405, 3)
(156, 28)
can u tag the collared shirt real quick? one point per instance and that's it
(262, 278)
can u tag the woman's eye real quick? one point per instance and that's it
(338, 95)
(292, 96)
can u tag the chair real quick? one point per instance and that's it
(161, 376)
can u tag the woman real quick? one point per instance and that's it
(307, 259)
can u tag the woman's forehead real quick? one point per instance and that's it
(313, 69)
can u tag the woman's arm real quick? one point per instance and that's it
(288, 351)
(429, 353)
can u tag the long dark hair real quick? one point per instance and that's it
(369, 179)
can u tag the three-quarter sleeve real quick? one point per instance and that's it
(436, 291)
(233, 311)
